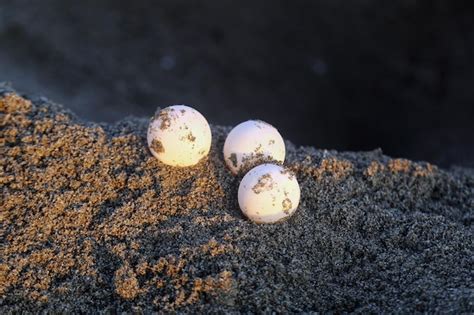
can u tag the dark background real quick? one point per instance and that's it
(334, 74)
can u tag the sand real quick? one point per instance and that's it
(91, 222)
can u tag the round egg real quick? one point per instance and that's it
(251, 143)
(269, 193)
(179, 136)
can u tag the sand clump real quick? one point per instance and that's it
(90, 222)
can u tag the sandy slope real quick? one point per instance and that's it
(91, 222)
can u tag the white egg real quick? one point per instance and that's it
(269, 193)
(179, 136)
(253, 142)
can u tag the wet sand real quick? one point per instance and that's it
(91, 222)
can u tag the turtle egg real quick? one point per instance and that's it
(253, 142)
(179, 136)
(268, 193)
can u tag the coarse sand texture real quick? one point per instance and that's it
(91, 222)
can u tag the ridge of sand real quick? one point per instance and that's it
(91, 222)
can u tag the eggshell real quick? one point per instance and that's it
(269, 193)
(179, 136)
(251, 143)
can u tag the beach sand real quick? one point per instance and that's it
(91, 222)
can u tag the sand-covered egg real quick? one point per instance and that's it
(269, 193)
(251, 143)
(179, 135)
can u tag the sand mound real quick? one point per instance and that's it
(90, 221)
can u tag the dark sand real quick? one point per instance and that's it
(91, 222)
